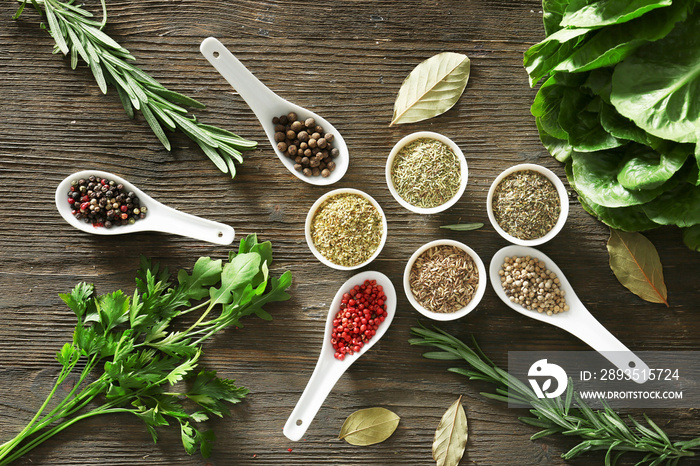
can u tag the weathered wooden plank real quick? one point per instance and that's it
(346, 60)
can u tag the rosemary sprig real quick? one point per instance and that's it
(75, 33)
(571, 416)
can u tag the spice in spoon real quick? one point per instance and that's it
(347, 229)
(426, 173)
(104, 203)
(362, 310)
(526, 204)
(528, 282)
(444, 279)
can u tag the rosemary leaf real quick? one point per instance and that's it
(462, 226)
(598, 430)
(78, 35)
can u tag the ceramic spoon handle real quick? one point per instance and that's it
(320, 384)
(258, 96)
(183, 224)
(589, 330)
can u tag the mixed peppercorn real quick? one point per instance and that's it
(306, 143)
(104, 203)
(362, 310)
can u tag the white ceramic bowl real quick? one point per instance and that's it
(563, 202)
(462, 165)
(312, 213)
(481, 289)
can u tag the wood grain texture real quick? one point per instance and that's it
(345, 60)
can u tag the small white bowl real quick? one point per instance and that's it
(563, 202)
(312, 213)
(444, 316)
(464, 171)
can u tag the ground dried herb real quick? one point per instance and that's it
(426, 173)
(444, 279)
(526, 205)
(347, 229)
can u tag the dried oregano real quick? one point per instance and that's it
(526, 205)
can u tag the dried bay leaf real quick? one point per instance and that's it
(451, 436)
(636, 264)
(369, 426)
(432, 88)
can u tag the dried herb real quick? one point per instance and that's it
(570, 416)
(526, 205)
(426, 173)
(636, 264)
(432, 88)
(369, 426)
(451, 436)
(463, 226)
(444, 279)
(347, 229)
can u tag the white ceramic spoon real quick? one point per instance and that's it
(329, 369)
(577, 320)
(266, 105)
(158, 218)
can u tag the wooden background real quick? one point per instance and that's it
(346, 60)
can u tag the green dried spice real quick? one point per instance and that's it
(347, 229)
(426, 173)
(526, 205)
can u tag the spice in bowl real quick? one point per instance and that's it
(426, 173)
(362, 310)
(347, 229)
(526, 205)
(104, 203)
(306, 143)
(444, 279)
(528, 282)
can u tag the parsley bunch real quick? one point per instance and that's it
(571, 416)
(77, 34)
(130, 355)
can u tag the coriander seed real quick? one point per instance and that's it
(528, 282)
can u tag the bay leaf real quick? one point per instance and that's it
(369, 426)
(636, 264)
(432, 88)
(451, 436)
